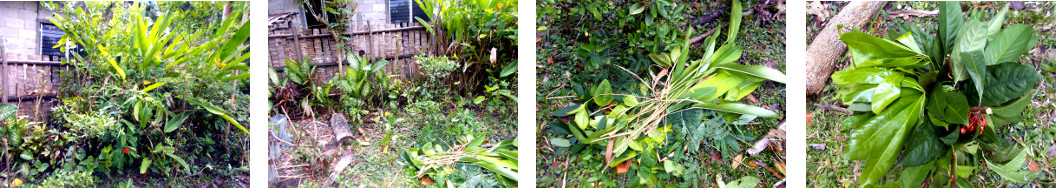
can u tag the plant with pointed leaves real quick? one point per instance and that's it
(937, 101)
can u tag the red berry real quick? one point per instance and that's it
(126, 150)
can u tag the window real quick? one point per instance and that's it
(49, 37)
(404, 11)
(316, 7)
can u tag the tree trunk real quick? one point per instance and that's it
(826, 48)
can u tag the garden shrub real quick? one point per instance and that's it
(159, 88)
(481, 36)
(435, 68)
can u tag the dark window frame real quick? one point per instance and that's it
(49, 37)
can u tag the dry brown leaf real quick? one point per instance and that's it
(426, 180)
(622, 167)
(608, 152)
(752, 164)
(1033, 166)
(810, 117)
(780, 167)
(752, 98)
(737, 160)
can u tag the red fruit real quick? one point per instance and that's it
(126, 150)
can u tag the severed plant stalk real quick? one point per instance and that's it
(432, 160)
(713, 82)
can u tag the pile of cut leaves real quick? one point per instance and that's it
(684, 103)
(938, 105)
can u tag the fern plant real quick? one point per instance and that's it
(937, 104)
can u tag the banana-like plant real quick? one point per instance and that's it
(938, 114)
(630, 126)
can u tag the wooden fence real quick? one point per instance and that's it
(397, 43)
(30, 84)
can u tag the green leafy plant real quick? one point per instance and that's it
(434, 163)
(634, 127)
(362, 82)
(479, 36)
(158, 85)
(937, 116)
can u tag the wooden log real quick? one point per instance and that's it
(826, 48)
(297, 43)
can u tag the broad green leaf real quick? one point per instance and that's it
(738, 109)
(660, 59)
(509, 70)
(756, 70)
(913, 176)
(886, 92)
(560, 142)
(744, 182)
(858, 94)
(994, 25)
(950, 20)
(701, 93)
(1016, 107)
(6, 110)
(726, 54)
(507, 94)
(910, 42)
(1008, 81)
(636, 8)
(673, 168)
(972, 38)
(879, 140)
(1012, 42)
(735, 22)
(153, 86)
(594, 11)
(235, 77)
(630, 101)
(109, 59)
(178, 160)
(223, 114)
(603, 94)
(582, 120)
(568, 110)
(143, 166)
(870, 75)
(174, 123)
(923, 146)
(478, 100)
(973, 62)
(1012, 170)
(950, 107)
(870, 51)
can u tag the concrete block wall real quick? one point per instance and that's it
(374, 11)
(20, 28)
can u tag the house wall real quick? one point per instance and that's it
(20, 33)
(374, 11)
(20, 28)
